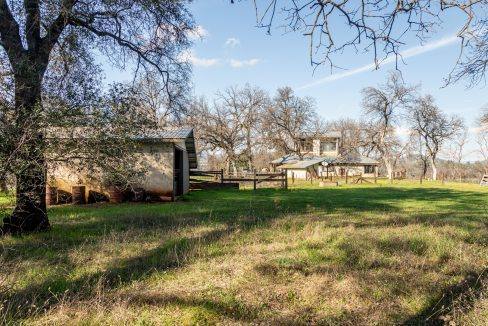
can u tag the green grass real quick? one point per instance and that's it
(357, 254)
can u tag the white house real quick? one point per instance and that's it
(320, 157)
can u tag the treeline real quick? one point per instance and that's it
(245, 128)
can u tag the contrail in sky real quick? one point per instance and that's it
(412, 52)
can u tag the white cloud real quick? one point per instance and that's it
(412, 52)
(192, 58)
(232, 42)
(243, 63)
(198, 33)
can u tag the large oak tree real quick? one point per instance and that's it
(143, 34)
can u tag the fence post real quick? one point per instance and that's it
(254, 181)
(347, 172)
(221, 176)
(286, 178)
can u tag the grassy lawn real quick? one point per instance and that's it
(359, 254)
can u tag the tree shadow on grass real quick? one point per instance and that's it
(45, 295)
(233, 309)
(75, 227)
(461, 296)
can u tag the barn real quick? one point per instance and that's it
(168, 155)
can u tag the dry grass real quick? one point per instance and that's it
(372, 254)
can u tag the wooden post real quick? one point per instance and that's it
(286, 178)
(254, 180)
(292, 177)
(347, 172)
(221, 176)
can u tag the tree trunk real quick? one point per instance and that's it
(3, 184)
(434, 169)
(389, 168)
(30, 213)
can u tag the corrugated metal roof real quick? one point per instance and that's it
(285, 159)
(303, 164)
(331, 134)
(292, 161)
(170, 133)
(176, 134)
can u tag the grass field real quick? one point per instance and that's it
(370, 254)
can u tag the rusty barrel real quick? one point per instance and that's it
(51, 195)
(139, 194)
(78, 193)
(115, 195)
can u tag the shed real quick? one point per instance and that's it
(169, 155)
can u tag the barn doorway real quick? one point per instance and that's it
(178, 172)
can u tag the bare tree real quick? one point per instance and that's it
(456, 152)
(380, 27)
(288, 120)
(482, 138)
(382, 107)
(35, 35)
(155, 102)
(248, 104)
(434, 127)
(218, 129)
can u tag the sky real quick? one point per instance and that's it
(232, 51)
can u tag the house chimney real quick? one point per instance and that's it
(316, 147)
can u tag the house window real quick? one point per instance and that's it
(306, 145)
(369, 169)
(327, 146)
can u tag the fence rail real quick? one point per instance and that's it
(256, 177)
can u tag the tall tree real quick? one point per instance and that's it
(434, 127)
(353, 136)
(482, 138)
(248, 103)
(218, 129)
(287, 120)
(34, 33)
(382, 107)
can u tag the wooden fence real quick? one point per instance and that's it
(256, 178)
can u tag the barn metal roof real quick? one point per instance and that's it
(170, 133)
(175, 135)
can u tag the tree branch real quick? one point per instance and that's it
(32, 25)
(9, 34)
(56, 28)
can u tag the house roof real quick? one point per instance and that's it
(327, 134)
(331, 134)
(293, 162)
(286, 159)
(303, 164)
(176, 134)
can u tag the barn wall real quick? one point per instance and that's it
(186, 167)
(159, 159)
